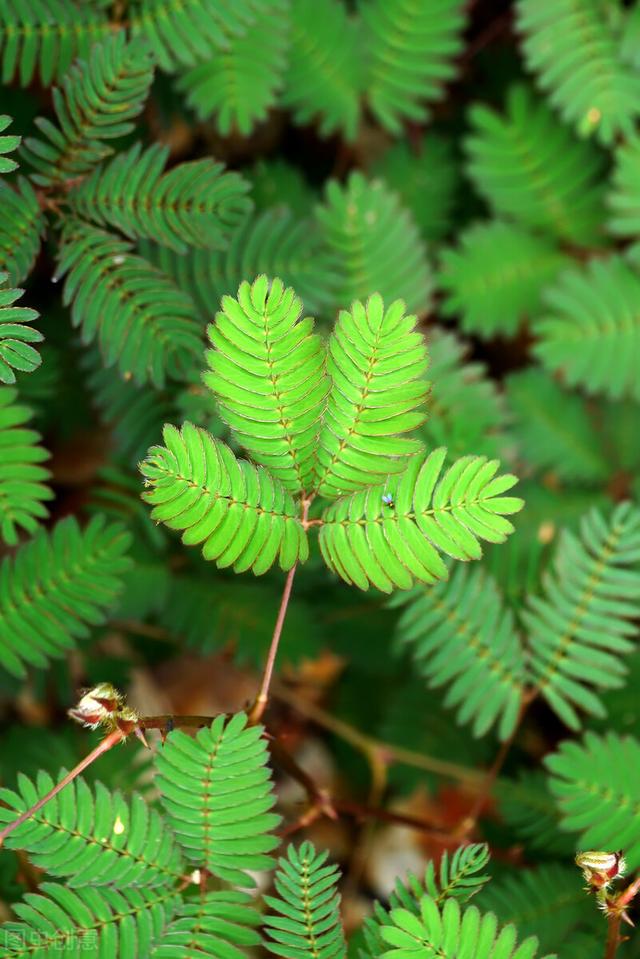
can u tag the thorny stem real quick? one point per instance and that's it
(613, 935)
(258, 708)
(107, 743)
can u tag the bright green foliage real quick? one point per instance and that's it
(411, 47)
(273, 242)
(45, 36)
(323, 77)
(128, 920)
(366, 540)
(140, 319)
(426, 179)
(571, 47)
(555, 429)
(221, 925)
(21, 228)
(56, 587)
(581, 625)
(194, 204)
(184, 32)
(239, 84)
(466, 411)
(546, 902)
(373, 244)
(528, 808)
(242, 515)
(8, 144)
(456, 878)
(98, 100)
(494, 279)
(461, 634)
(22, 478)
(92, 836)
(216, 791)
(596, 785)
(529, 167)
(450, 933)
(589, 327)
(377, 363)
(16, 335)
(267, 371)
(307, 908)
(624, 197)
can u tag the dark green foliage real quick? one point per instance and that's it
(16, 353)
(22, 478)
(21, 229)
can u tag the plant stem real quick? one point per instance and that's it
(107, 743)
(258, 708)
(613, 936)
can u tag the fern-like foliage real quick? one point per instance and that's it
(323, 78)
(45, 36)
(21, 229)
(217, 794)
(411, 47)
(461, 635)
(127, 921)
(23, 489)
(546, 902)
(528, 808)
(16, 335)
(56, 588)
(8, 143)
(377, 362)
(426, 179)
(98, 100)
(580, 626)
(450, 933)
(239, 84)
(242, 515)
(92, 836)
(274, 243)
(595, 783)
(570, 46)
(373, 244)
(554, 430)
(140, 319)
(529, 167)
(305, 917)
(267, 370)
(623, 199)
(185, 32)
(219, 925)
(589, 330)
(193, 204)
(466, 411)
(367, 540)
(494, 278)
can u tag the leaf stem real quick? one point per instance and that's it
(613, 935)
(107, 743)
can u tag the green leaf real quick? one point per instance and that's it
(494, 278)
(571, 47)
(193, 204)
(55, 588)
(462, 635)
(529, 168)
(372, 243)
(411, 48)
(217, 794)
(220, 925)
(588, 328)
(16, 336)
(528, 808)
(242, 515)
(582, 624)
(22, 478)
(7, 145)
(305, 918)
(91, 836)
(377, 362)
(366, 539)
(323, 78)
(267, 371)
(21, 229)
(98, 100)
